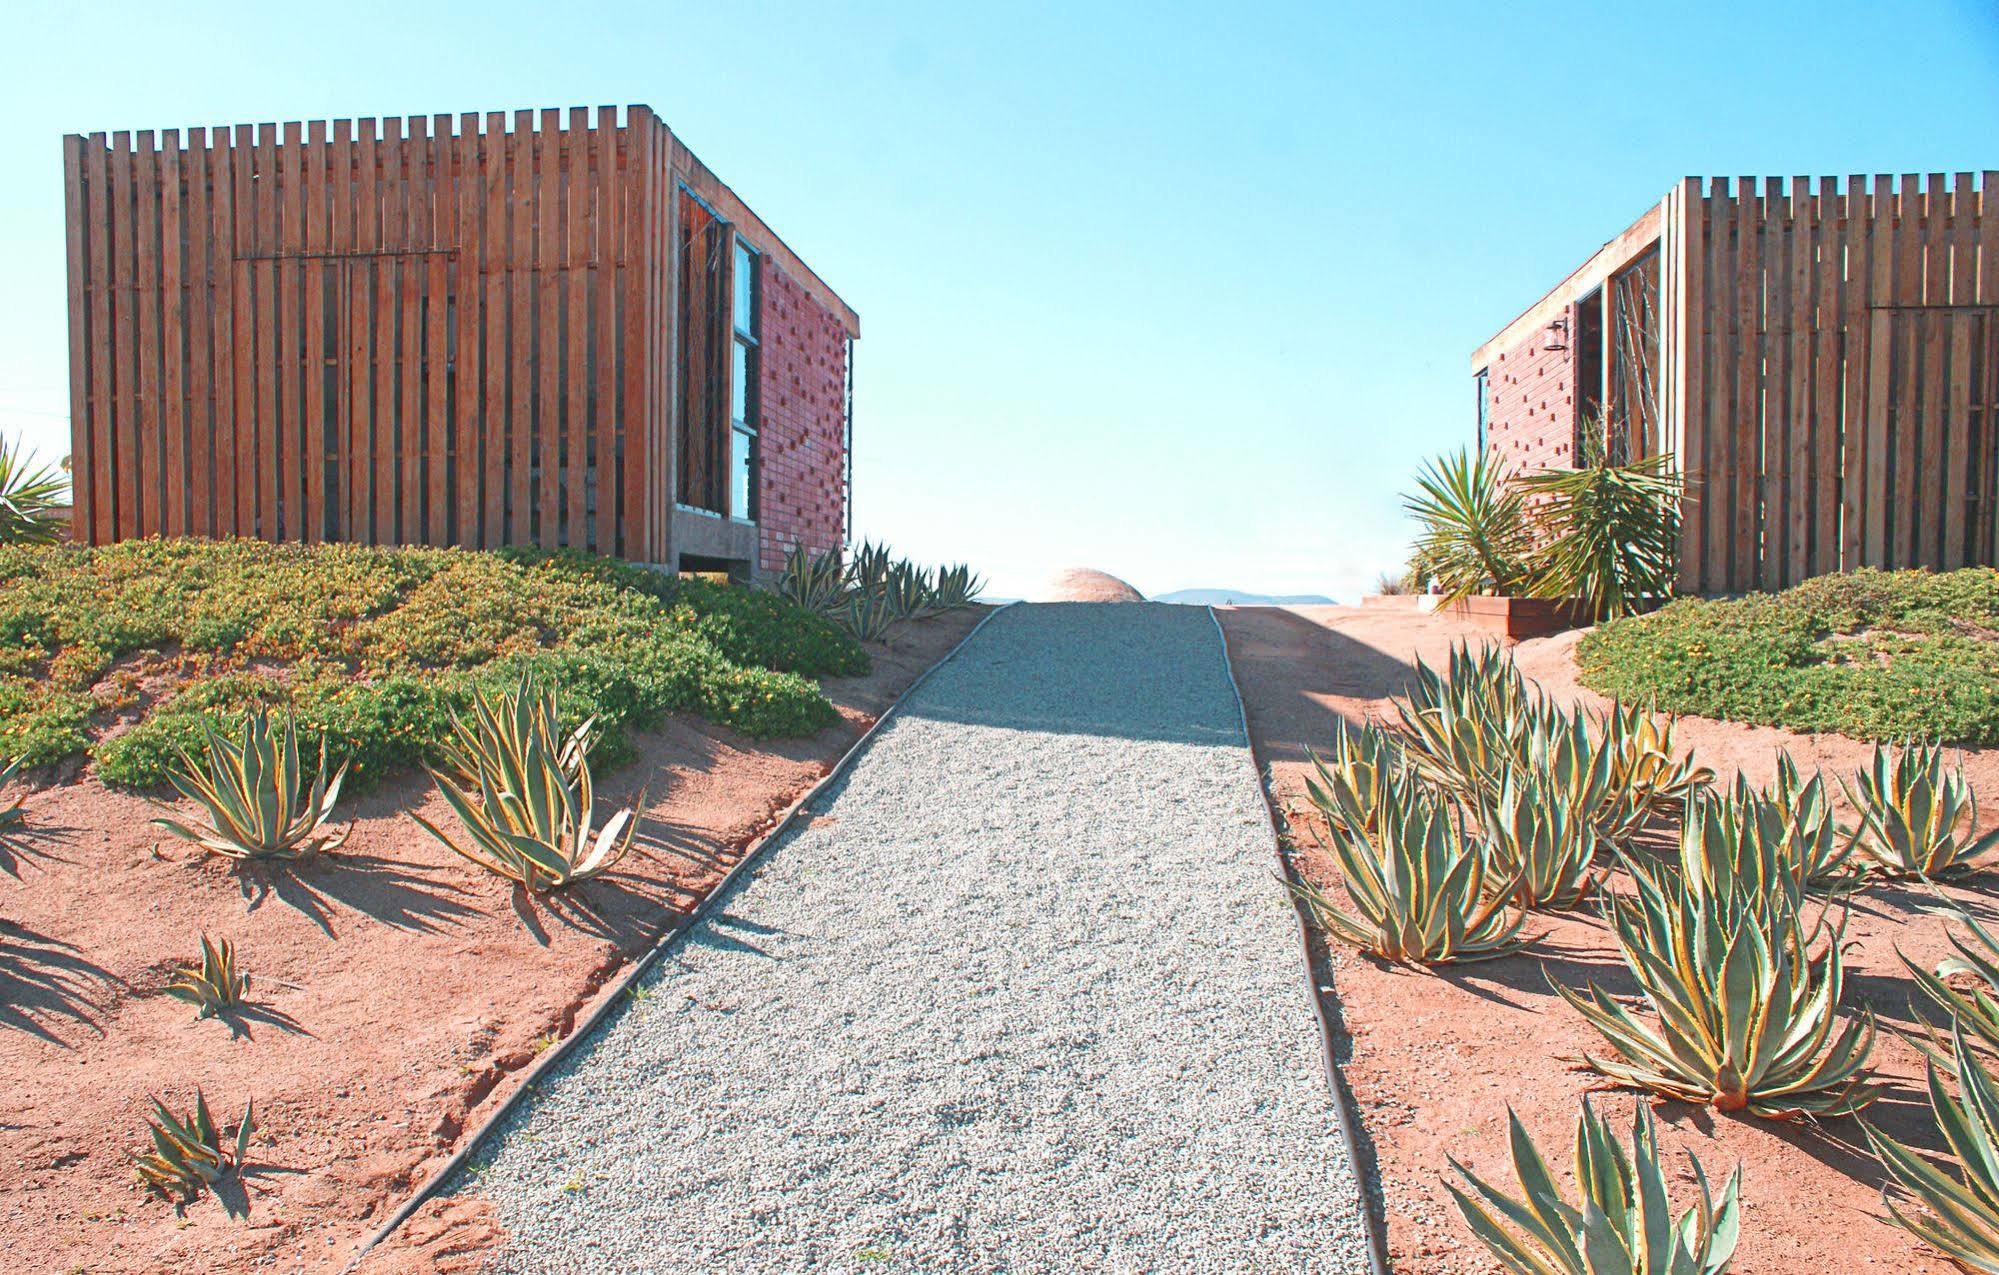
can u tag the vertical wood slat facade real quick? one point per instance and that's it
(1830, 384)
(384, 332)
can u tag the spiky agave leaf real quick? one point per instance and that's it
(1363, 761)
(908, 590)
(1645, 762)
(523, 792)
(188, 1153)
(12, 812)
(1916, 818)
(216, 984)
(1622, 1223)
(1419, 890)
(816, 582)
(1748, 1013)
(1973, 1010)
(866, 616)
(1537, 840)
(956, 587)
(1960, 1216)
(1462, 729)
(255, 794)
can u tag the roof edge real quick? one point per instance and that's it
(1615, 254)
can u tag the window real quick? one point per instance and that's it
(743, 387)
(1484, 385)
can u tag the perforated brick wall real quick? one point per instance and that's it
(1531, 404)
(802, 437)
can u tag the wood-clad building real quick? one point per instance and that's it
(1820, 355)
(554, 328)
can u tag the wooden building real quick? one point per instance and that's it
(555, 328)
(1821, 356)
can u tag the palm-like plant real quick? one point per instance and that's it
(1748, 1013)
(1475, 536)
(255, 793)
(1622, 1224)
(1961, 1213)
(1916, 818)
(524, 794)
(1608, 534)
(1420, 890)
(29, 498)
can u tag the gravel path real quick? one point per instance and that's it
(1023, 996)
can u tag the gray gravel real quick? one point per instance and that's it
(1024, 996)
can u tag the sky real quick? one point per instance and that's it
(1182, 292)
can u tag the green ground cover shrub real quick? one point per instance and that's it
(374, 649)
(1880, 655)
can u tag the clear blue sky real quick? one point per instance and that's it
(1184, 293)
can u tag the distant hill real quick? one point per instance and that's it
(1242, 598)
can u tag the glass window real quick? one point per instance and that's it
(742, 468)
(740, 389)
(746, 290)
(746, 409)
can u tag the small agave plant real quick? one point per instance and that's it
(1545, 846)
(866, 616)
(816, 582)
(956, 587)
(908, 590)
(11, 813)
(1916, 818)
(188, 1152)
(1363, 762)
(1463, 728)
(1622, 1224)
(1748, 1014)
(524, 795)
(1960, 1216)
(1645, 762)
(213, 986)
(1974, 1010)
(1421, 891)
(255, 793)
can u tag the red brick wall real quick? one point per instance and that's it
(1531, 400)
(802, 436)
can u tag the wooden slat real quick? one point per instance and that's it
(637, 185)
(1745, 351)
(1771, 366)
(1796, 335)
(337, 281)
(125, 432)
(1988, 294)
(547, 360)
(225, 354)
(1885, 254)
(1823, 350)
(146, 298)
(103, 409)
(196, 166)
(1854, 285)
(410, 430)
(666, 203)
(389, 272)
(1958, 471)
(312, 350)
(604, 330)
(495, 445)
(437, 352)
(242, 238)
(289, 280)
(1925, 474)
(363, 276)
(273, 448)
(576, 293)
(1688, 370)
(520, 423)
(467, 457)
(1905, 422)
(173, 326)
(76, 231)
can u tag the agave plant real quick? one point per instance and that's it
(30, 498)
(907, 590)
(1622, 1224)
(1645, 762)
(1961, 1213)
(1475, 536)
(1974, 1009)
(1464, 729)
(1821, 853)
(12, 812)
(213, 986)
(523, 792)
(1747, 846)
(1748, 1013)
(956, 587)
(1580, 771)
(188, 1152)
(1547, 848)
(1605, 533)
(867, 567)
(866, 617)
(255, 793)
(1364, 761)
(1421, 891)
(816, 582)
(1916, 819)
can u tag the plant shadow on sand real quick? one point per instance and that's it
(401, 895)
(44, 981)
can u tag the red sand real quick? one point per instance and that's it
(402, 992)
(1437, 1057)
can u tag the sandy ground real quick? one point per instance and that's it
(1436, 1058)
(400, 993)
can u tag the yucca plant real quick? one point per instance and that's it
(816, 582)
(1976, 1008)
(1363, 761)
(1916, 818)
(1645, 762)
(213, 986)
(188, 1152)
(956, 587)
(523, 792)
(1622, 1222)
(1605, 533)
(1475, 536)
(256, 795)
(29, 498)
(1420, 890)
(1538, 841)
(1748, 1013)
(1960, 1217)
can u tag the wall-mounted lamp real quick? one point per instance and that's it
(1558, 334)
